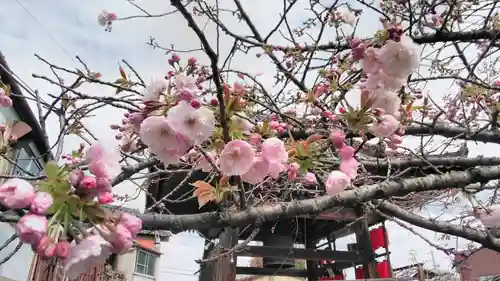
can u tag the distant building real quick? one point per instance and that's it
(141, 263)
(481, 265)
(29, 154)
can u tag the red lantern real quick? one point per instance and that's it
(379, 238)
(383, 269)
(359, 273)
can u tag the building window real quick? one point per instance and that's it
(26, 162)
(145, 263)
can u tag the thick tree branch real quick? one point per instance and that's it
(311, 206)
(480, 237)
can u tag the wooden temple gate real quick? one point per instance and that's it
(280, 239)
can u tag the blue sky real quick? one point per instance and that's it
(62, 29)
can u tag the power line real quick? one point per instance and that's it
(45, 30)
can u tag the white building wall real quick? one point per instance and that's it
(126, 264)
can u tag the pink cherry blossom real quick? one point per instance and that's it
(186, 87)
(90, 252)
(273, 150)
(16, 193)
(155, 89)
(336, 183)
(395, 141)
(388, 101)
(337, 138)
(41, 203)
(31, 228)
(349, 167)
(370, 62)
(203, 163)
(103, 184)
(257, 172)
(234, 158)
(489, 217)
(310, 179)
(104, 160)
(275, 169)
(121, 239)
(400, 59)
(385, 126)
(104, 17)
(117, 235)
(346, 152)
(162, 140)
(131, 222)
(380, 82)
(196, 124)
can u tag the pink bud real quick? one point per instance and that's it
(42, 245)
(41, 203)
(88, 182)
(175, 58)
(62, 249)
(75, 177)
(31, 228)
(346, 152)
(310, 179)
(49, 251)
(105, 197)
(195, 104)
(255, 139)
(111, 16)
(192, 61)
(337, 138)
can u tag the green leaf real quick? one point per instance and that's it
(56, 205)
(46, 186)
(61, 188)
(51, 170)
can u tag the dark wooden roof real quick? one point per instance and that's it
(24, 111)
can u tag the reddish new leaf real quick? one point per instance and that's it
(204, 192)
(123, 74)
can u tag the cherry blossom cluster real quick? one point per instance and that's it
(179, 124)
(106, 19)
(58, 206)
